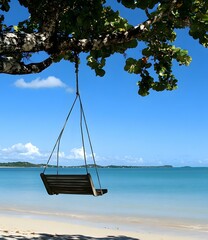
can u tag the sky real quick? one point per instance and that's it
(125, 128)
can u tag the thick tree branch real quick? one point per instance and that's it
(24, 42)
(18, 43)
(10, 66)
(34, 42)
(85, 45)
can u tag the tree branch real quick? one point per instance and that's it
(10, 66)
(35, 42)
(85, 45)
(23, 42)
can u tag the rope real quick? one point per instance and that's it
(82, 117)
(59, 138)
(83, 142)
(89, 139)
(77, 73)
(78, 95)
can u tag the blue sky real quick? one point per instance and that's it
(162, 128)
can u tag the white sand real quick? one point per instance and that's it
(18, 227)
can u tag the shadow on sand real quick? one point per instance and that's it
(43, 236)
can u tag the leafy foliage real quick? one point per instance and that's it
(67, 28)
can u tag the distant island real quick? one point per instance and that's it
(29, 165)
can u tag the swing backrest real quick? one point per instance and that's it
(70, 184)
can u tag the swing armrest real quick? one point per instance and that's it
(96, 192)
(100, 192)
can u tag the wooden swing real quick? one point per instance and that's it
(73, 183)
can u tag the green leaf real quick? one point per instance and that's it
(204, 17)
(16, 28)
(100, 72)
(128, 3)
(5, 6)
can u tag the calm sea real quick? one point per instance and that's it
(133, 194)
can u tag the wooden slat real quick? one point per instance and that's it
(70, 184)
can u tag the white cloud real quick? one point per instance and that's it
(50, 82)
(61, 154)
(70, 90)
(127, 160)
(76, 153)
(133, 160)
(28, 151)
(20, 150)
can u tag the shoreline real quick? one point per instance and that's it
(32, 225)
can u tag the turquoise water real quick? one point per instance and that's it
(169, 193)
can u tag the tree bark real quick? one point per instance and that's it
(14, 67)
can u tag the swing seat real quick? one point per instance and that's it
(70, 184)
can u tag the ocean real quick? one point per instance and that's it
(178, 196)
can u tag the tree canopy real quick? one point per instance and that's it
(65, 28)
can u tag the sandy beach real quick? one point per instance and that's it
(28, 227)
